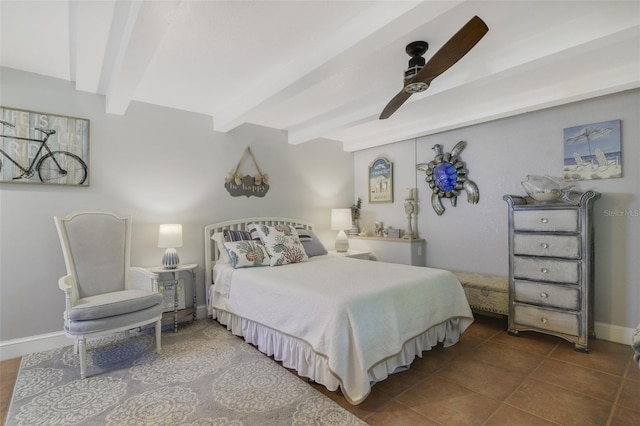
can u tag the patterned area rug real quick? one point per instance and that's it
(204, 376)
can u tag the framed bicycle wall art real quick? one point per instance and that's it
(37, 147)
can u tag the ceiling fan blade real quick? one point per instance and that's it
(453, 50)
(394, 104)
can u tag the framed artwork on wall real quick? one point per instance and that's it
(43, 148)
(381, 181)
(593, 151)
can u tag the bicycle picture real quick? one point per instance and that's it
(52, 166)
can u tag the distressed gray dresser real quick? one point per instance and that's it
(551, 267)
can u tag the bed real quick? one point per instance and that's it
(342, 322)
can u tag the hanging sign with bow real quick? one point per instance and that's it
(239, 184)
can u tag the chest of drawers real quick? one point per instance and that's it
(551, 267)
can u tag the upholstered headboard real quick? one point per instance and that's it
(211, 253)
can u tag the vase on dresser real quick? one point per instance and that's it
(551, 266)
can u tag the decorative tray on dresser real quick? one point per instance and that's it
(551, 267)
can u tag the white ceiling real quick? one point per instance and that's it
(326, 69)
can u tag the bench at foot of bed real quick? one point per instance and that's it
(486, 292)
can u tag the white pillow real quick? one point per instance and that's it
(218, 237)
(247, 254)
(282, 244)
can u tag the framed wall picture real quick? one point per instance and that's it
(381, 181)
(593, 151)
(37, 147)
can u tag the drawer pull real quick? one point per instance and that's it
(543, 320)
(544, 270)
(544, 220)
(544, 295)
(544, 245)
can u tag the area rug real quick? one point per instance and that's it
(204, 376)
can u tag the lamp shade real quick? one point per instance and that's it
(340, 219)
(170, 236)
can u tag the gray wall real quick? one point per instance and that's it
(499, 155)
(160, 166)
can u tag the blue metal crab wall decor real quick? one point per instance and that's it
(447, 175)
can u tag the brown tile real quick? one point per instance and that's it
(399, 382)
(579, 379)
(559, 405)
(439, 357)
(625, 417)
(372, 405)
(630, 395)
(506, 357)
(484, 327)
(507, 415)
(448, 403)
(396, 414)
(489, 380)
(633, 370)
(6, 390)
(603, 356)
(531, 342)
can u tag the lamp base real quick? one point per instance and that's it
(342, 242)
(170, 260)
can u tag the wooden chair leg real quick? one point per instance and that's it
(159, 336)
(82, 348)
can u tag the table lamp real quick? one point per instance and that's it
(170, 237)
(341, 220)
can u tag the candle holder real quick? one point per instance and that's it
(409, 209)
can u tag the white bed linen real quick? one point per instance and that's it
(345, 331)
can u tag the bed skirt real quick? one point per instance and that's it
(298, 355)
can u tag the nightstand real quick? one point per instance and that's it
(171, 291)
(356, 254)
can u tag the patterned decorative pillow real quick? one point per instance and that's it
(312, 245)
(230, 235)
(247, 254)
(303, 234)
(218, 237)
(253, 229)
(283, 244)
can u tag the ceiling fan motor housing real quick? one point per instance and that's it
(415, 49)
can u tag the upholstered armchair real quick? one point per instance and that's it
(104, 294)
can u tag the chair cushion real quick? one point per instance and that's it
(109, 324)
(113, 304)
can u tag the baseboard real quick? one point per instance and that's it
(614, 333)
(18, 347)
(43, 342)
(26, 345)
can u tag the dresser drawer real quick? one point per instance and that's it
(545, 220)
(563, 271)
(554, 295)
(567, 246)
(546, 319)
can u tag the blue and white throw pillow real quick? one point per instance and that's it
(247, 254)
(282, 244)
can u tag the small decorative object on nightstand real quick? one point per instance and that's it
(176, 313)
(170, 237)
(341, 220)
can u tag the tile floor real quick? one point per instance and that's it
(491, 378)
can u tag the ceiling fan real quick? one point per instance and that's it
(419, 75)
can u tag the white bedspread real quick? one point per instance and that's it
(354, 312)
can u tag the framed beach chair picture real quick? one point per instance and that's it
(593, 151)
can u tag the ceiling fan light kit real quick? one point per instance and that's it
(419, 74)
